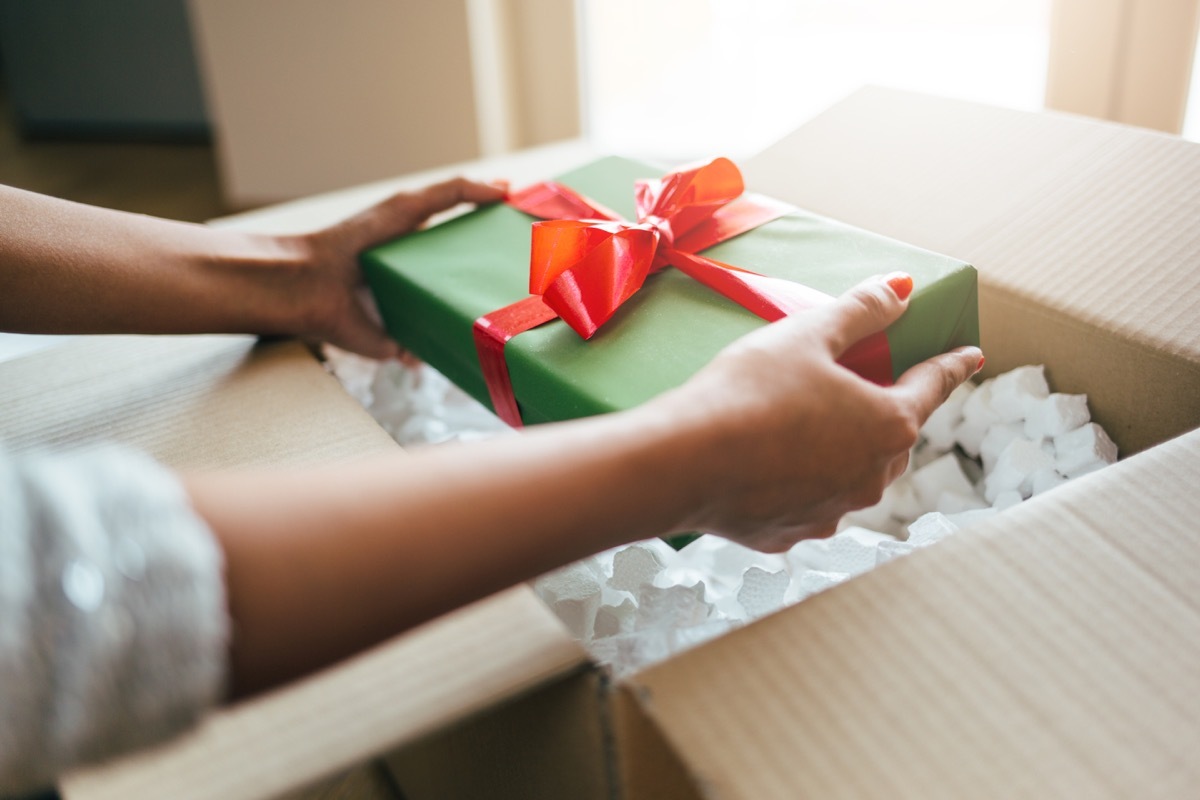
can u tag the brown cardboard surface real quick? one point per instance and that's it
(410, 687)
(648, 765)
(1052, 652)
(1096, 223)
(549, 744)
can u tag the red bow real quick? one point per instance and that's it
(586, 261)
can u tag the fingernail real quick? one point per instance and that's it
(979, 366)
(901, 283)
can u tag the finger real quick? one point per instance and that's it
(403, 212)
(360, 334)
(448, 194)
(928, 384)
(866, 309)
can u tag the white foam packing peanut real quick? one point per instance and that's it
(635, 566)
(813, 581)
(890, 551)
(937, 477)
(939, 428)
(671, 606)
(930, 528)
(1007, 499)
(965, 519)
(574, 594)
(954, 502)
(612, 620)
(636, 605)
(1056, 415)
(996, 439)
(1017, 392)
(849, 554)
(1083, 450)
(1015, 468)
(762, 592)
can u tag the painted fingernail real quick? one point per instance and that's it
(979, 366)
(901, 283)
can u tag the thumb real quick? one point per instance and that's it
(868, 308)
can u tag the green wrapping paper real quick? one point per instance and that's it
(432, 285)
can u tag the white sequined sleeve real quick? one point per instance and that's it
(113, 626)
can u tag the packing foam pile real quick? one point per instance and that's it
(987, 448)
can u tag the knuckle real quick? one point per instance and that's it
(871, 300)
(900, 426)
(907, 432)
(902, 431)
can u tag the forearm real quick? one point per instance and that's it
(322, 564)
(72, 268)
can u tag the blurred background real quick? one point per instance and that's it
(195, 108)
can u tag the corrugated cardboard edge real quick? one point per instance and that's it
(1050, 652)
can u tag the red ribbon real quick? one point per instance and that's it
(586, 261)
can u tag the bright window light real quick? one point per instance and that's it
(681, 79)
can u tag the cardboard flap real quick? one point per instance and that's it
(1050, 652)
(418, 683)
(1084, 234)
(222, 401)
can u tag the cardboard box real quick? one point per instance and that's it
(1054, 651)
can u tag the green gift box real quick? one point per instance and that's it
(432, 285)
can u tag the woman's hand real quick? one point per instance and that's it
(789, 439)
(71, 268)
(332, 311)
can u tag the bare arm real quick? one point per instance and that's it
(771, 443)
(73, 268)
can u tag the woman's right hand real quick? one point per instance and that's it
(782, 440)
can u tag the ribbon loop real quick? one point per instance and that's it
(585, 271)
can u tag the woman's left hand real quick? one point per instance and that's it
(331, 310)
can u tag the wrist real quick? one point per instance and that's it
(269, 285)
(681, 461)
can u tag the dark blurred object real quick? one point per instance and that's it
(107, 69)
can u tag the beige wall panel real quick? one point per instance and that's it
(310, 95)
(1160, 47)
(546, 69)
(1123, 60)
(1084, 39)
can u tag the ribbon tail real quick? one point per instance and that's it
(767, 297)
(492, 332)
(774, 298)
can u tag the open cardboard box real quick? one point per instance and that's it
(1053, 650)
